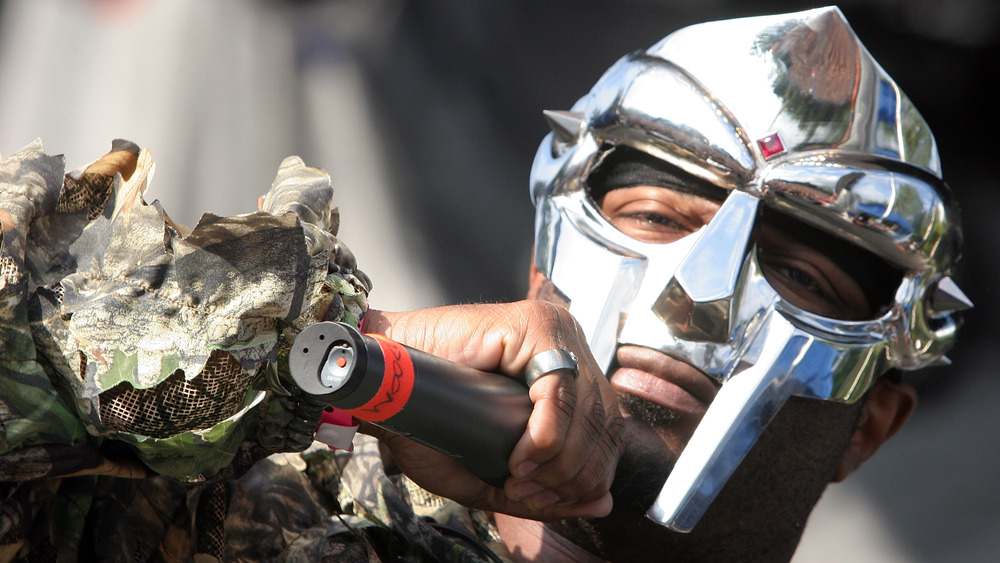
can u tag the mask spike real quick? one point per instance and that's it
(947, 297)
(565, 124)
(942, 362)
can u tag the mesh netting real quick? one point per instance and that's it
(9, 272)
(177, 405)
(86, 193)
(210, 520)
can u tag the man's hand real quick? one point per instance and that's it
(563, 465)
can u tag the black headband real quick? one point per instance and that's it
(625, 167)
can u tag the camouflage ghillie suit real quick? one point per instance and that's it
(340, 506)
(143, 364)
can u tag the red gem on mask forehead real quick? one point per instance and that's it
(771, 145)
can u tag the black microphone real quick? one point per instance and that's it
(474, 416)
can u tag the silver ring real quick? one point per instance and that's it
(549, 361)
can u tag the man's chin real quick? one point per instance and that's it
(642, 469)
(654, 438)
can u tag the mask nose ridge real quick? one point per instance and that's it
(697, 302)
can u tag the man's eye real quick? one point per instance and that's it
(655, 214)
(802, 280)
(649, 226)
(652, 220)
(811, 281)
(803, 288)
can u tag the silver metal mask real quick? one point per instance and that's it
(786, 112)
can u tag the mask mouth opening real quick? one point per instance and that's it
(877, 279)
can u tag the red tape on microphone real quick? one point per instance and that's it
(397, 384)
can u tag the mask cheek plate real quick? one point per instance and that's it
(697, 301)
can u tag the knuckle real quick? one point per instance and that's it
(548, 444)
(546, 316)
(564, 400)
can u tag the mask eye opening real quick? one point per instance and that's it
(877, 278)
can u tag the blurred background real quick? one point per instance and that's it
(427, 115)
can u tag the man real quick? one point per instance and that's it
(748, 220)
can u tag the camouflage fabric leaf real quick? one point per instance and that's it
(158, 302)
(307, 193)
(31, 410)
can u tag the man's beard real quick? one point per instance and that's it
(657, 416)
(641, 472)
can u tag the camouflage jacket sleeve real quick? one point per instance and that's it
(343, 506)
(34, 417)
